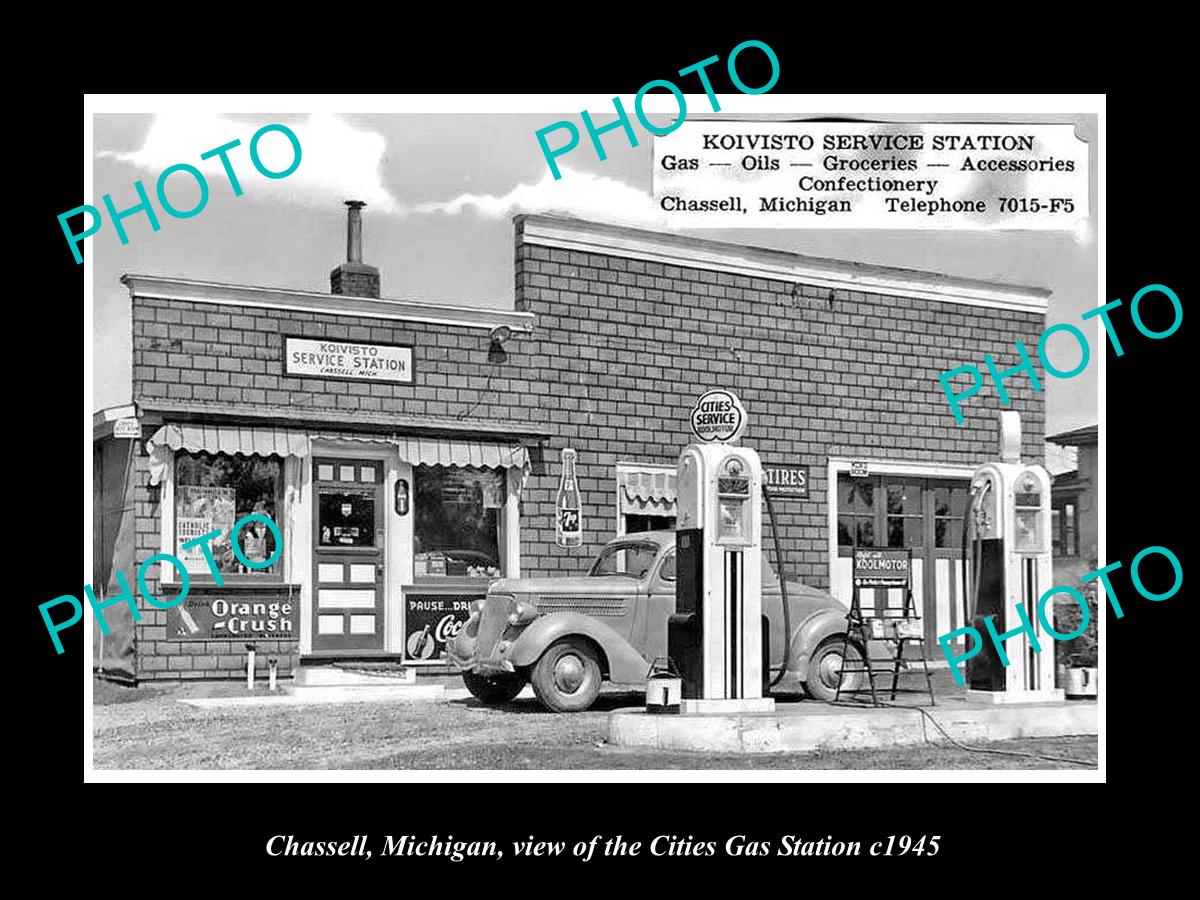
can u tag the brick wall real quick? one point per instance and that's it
(623, 347)
(620, 351)
(205, 354)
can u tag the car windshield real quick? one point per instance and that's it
(630, 560)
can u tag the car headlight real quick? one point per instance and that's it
(524, 612)
(476, 607)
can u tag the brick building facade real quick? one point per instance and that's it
(614, 334)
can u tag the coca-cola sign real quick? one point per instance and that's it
(718, 417)
(431, 620)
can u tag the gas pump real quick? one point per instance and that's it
(715, 636)
(1007, 550)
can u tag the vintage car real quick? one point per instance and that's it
(567, 635)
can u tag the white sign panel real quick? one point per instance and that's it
(341, 359)
(718, 416)
(974, 176)
(127, 428)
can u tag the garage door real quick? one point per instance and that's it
(924, 514)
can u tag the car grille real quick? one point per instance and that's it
(492, 622)
(592, 606)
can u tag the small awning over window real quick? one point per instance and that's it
(647, 492)
(233, 439)
(267, 441)
(248, 441)
(428, 451)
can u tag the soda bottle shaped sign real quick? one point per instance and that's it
(568, 518)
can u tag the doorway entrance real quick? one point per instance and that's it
(348, 555)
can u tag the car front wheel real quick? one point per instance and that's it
(567, 677)
(493, 689)
(825, 668)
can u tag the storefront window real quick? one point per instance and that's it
(856, 511)
(636, 523)
(456, 530)
(905, 518)
(212, 492)
(949, 507)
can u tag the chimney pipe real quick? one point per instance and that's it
(354, 231)
(354, 277)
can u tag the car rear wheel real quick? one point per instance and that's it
(493, 689)
(567, 677)
(825, 667)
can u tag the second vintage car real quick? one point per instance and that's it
(568, 635)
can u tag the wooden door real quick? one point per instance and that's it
(348, 555)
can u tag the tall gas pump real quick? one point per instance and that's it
(716, 636)
(1007, 551)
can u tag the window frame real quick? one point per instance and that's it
(168, 538)
(624, 467)
(879, 515)
(501, 536)
(1061, 530)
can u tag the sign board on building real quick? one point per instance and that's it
(785, 480)
(430, 620)
(240, 616)
(882, 568)
(343, 359)
(858, 469)
(127, 428)
(718, 417)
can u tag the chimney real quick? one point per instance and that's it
(353, 277)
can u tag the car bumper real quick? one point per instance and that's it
(463, 653)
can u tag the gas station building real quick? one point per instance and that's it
(409, 451)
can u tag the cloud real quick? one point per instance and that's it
(576, 193)
(339, 161)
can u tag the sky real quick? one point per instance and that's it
(441, 191)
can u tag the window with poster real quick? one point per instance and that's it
(457, 516)
(212, 492)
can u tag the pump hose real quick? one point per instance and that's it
(787, 615)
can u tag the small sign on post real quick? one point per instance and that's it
(127, 428)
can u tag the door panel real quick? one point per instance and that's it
(348, 542)
(924, 514)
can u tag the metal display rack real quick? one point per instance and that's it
(887, 629)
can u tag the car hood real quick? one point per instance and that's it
(575, 585)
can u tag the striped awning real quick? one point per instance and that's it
(234, 439)
(647, 492)
(268, 441)
(430, 451)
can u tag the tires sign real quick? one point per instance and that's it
(718, 417)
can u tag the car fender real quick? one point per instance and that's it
(623, 664)
(825, 623)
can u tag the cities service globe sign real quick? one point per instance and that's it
(718, 417)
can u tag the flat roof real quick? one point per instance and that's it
(762, 262)
(1088, 434)
(186, 289)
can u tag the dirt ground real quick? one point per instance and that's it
(147, 728)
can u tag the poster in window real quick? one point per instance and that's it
(198, 511)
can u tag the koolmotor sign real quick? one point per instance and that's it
(881, 568)
(718, 417)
